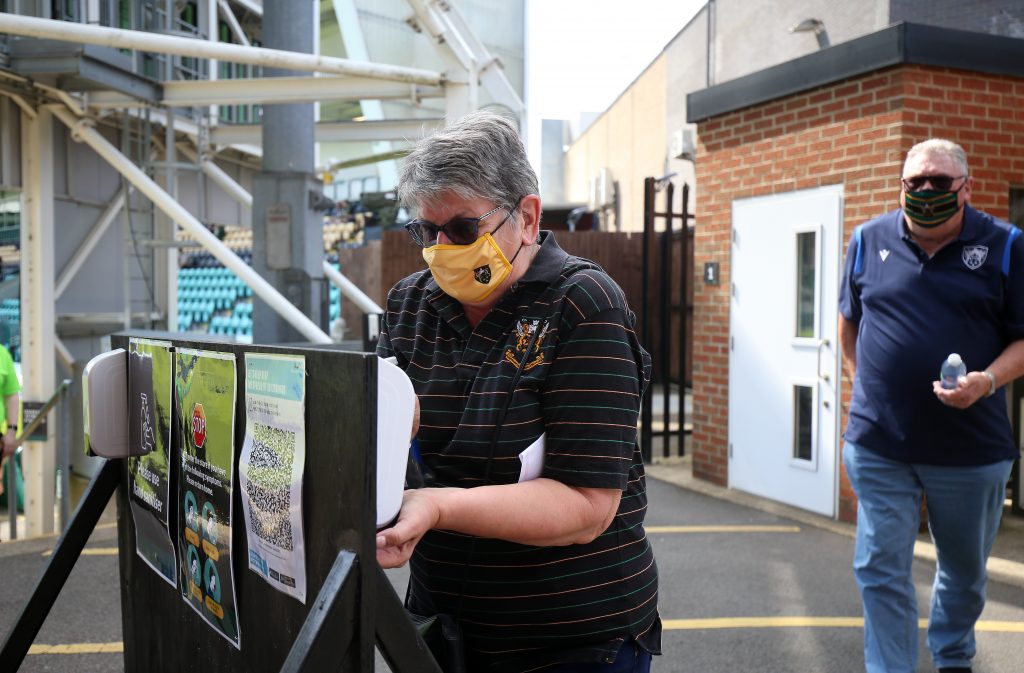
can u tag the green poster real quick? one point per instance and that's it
(149, 434)
(205, 413)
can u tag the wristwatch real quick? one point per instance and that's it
(991, 383)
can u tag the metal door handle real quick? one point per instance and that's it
(824, 377)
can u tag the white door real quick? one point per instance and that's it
(784, 357)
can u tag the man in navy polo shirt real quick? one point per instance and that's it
(931, 278)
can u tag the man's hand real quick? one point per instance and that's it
(420, 512)
(969, 389)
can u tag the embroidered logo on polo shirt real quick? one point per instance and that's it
(883, 253)
(524, 331)
(975, 255)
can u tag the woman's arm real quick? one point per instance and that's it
(541, 512)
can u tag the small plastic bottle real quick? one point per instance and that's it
(952, 369)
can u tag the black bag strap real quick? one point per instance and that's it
(490, 454)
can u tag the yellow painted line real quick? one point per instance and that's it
(91, 551)
(990, 626)
(722, 529)
(77, 648)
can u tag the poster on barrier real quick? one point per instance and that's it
(270, 469)
(149, 433)
(205, 414)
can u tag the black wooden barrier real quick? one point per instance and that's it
(354, 605)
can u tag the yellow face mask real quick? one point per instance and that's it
(469, 273)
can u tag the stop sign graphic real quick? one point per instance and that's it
(198, 425)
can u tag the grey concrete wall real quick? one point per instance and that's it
(998, 17)
(752, 35)
(83, 186)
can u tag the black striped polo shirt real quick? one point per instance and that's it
(522, 606)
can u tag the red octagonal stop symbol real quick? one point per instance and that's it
(198, 425)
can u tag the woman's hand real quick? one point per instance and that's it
(420, 512)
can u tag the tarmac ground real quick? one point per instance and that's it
(747, 585)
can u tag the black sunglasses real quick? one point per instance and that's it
(941, 183)
(459, 230)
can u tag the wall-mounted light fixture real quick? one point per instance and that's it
(816, 26)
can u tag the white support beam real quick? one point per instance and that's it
(395, 129)
(38, 327)
(66, 358)
(213, 35)
(454, 37)
(222, 179)
(232, 21)
(347, 287)
(118, 38)
(89, 244)
(351, 291)
(454, 49)
(269, 90)
(82, 130)
(253, 6)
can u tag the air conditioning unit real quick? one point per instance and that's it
(682, 145)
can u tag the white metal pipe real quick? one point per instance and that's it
(29, 111)
(89, 244)
(269, 90)
(384, 129)
(223, 180)
(253, 6)
(232, 21)
(66, 358)
(81, 129)
(119, 38)
(349, 289)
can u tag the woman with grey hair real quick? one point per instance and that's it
(529, 529)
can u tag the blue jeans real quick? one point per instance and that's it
(631, 659)
(964, 507)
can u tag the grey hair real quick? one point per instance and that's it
(939, 146)
(479, 155)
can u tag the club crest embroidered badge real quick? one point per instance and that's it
(974, 256)
(524, 332)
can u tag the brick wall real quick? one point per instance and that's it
(854, 132)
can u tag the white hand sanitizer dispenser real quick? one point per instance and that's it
(105, 393)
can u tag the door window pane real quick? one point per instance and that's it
(806, 283)
(803, 410)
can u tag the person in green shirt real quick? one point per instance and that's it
(9, 389)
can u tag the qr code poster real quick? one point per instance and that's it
(270, 469)
(205, 417)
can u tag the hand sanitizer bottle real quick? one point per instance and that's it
(952, 369)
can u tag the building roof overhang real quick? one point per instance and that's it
(899, 44)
